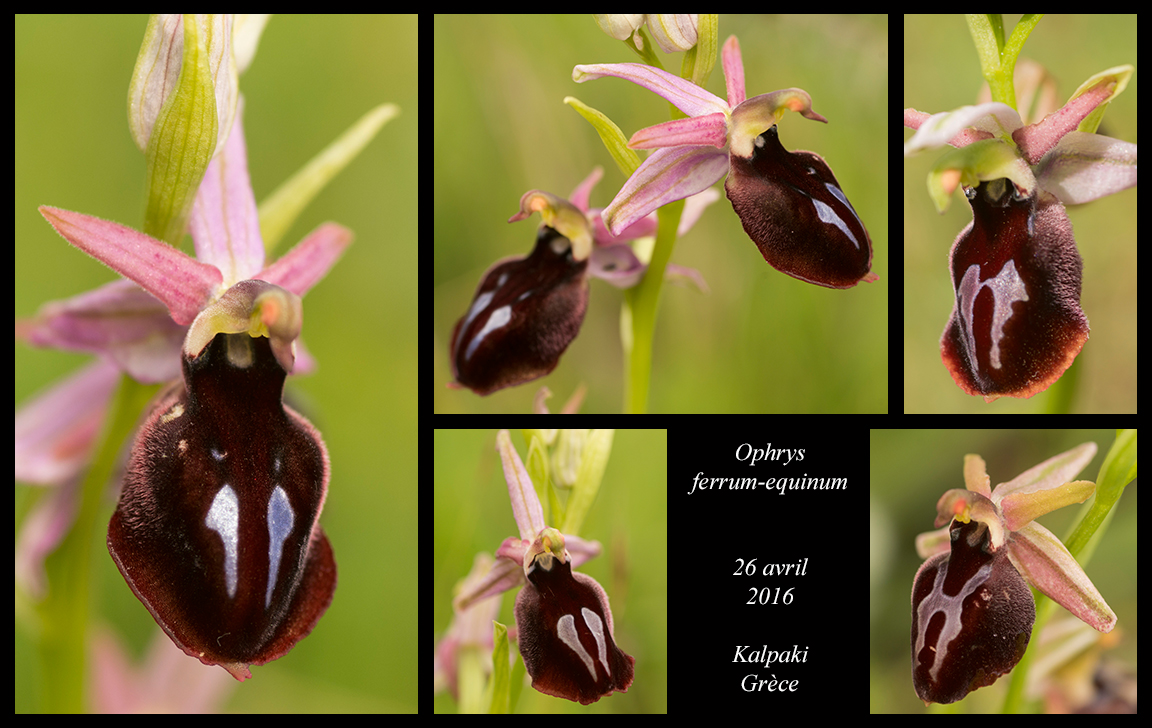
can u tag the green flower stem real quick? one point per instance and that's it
(997, 57)
(638, 314)
(64, 612)
(638, 317)
(1062, 395)
(1118, 470)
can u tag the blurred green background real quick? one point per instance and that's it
(941, 73)
(312, 77)
(760, 341)
(911, 469)
(629, 518)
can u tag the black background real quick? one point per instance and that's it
(710, 530)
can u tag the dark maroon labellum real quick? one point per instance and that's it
(217, 527)
(566, 636)
(972, 617)
(525, 313)
(794, 210)
(1016, 324)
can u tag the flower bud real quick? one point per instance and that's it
(181, 107)
(619, 26)
(674, 32)
(161, 61)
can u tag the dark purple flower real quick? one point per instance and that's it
(789, 203)
(972, 617)
(972, 612)
(525, 313)
(217, 530)
(566, 634)
(1016, 323)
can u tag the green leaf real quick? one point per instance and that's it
(614, 140)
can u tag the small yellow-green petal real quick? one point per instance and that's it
(614, 140)
(976, 475)
(1118, 75)
(983, 160)
(756, 115)
(1020, 508)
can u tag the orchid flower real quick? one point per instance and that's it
(217, 528)
(972, 613)
(789, 202)
(566, 634)
(527, 310)
(1017, 340)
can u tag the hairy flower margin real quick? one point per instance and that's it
(1016, 323)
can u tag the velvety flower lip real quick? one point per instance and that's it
(792, 207)
(217, 527)
(972, 617)
(527, 310)
(567, 636)
(789, 203)
(524, 314)
(1016, 324)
